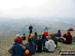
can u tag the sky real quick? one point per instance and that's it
(39, 8)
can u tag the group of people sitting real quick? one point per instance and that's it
(39, 43)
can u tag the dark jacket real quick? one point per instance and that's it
(17, 50)
(39, 45)
(30, 27)
(58, 34)
(54, 39)
(68, 38)
(34, 38)
(31, 48)
(44, 39)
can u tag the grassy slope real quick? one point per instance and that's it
(6, 41)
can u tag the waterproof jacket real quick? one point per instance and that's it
(31, 48)
(68, 38)
(17, 50)
(58, 34)
(54, 39)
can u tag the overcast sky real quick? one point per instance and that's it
(50, 8)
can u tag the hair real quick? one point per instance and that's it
(35, 33)
(38, 38)
(23, 33)
(16, 41)
(58, 30)
(49, 37)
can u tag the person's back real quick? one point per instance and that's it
(31, 47)
(46, 33)
(44, 39)
(58, 34)
(50, 45)
(17, 49)
(39, 45)
(54, 39)
(34, 38)
(30, 28)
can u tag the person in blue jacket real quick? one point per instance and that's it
(30, 46)
(17, 49)
(58, 34)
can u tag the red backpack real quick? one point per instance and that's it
(46, 33)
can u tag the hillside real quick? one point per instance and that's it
(6, 41)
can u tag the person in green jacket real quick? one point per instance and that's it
(34, 38)
(53, 37)
(23, 36)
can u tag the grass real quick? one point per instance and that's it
(6, 41)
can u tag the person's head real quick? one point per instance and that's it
(18, 35)
(16, 41)
(23, 33)
(52, 35)
(49, 37)
(30, 41)
(35, 33)
(38, 38)
(58, 30)
(68, 32)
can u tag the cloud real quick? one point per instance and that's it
(50, 8)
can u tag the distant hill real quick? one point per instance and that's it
(12, 26)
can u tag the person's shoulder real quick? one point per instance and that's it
(51, 40)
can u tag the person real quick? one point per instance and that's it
(53, 37)
(46, 31)
(19, 38)
(17, 50)
(34, 38)
(68, 37)
(23, 36)
(58, 34)
(39, 45)
(49, 45)
(30, 46)
(44, 39)
(30, 28)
